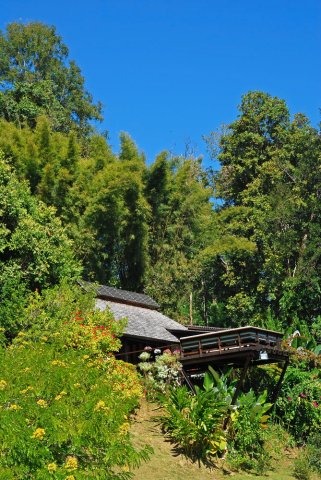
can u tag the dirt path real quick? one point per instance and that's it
(165, 465)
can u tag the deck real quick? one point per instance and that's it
(232, 347)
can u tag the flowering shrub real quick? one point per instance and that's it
(161, 373)
(299, 405)
(66, 316)
(65, 400)
(65, 413)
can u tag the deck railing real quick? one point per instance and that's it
(216, 343)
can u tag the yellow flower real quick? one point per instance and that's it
(3, 384)
(100, 405)
(42, 403)
(58, 397)
(21, 334)
(124, 428)
(13, 406)
(26, 390)
(85, 357)
(70, 477)
(77, 385)
(71, 463)
(52, 467)
(58, 363)
(39, 433)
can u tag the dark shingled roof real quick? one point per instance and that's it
(143, 322)
(122, 296)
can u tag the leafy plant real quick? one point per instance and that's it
(302, 469)
(66, 413)
(313, 452)
(195, 423)
(298, 406)
(161, 373)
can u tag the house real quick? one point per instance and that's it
(146, 327)
(200, 346)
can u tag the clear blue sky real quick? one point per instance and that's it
(169, 72)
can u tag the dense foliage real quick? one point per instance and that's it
(65, 401)
(254, 258)
(206, 425)
(36, 78)
(231, 247)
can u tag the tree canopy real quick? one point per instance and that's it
(37, 78)
(254, 257)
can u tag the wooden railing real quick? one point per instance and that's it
(216, 343)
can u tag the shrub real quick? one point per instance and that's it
(247, 434)
(195, 423)
(65, 408)
(313, 452)
(301, 468)
(161, 373)
(65, 400)
(299, 404)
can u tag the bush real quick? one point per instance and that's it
(313, 452)
(65, 401)
(247, 434)
(62, 408)
(195, 423)
(298, 406)
(160, 374)
(301, 468)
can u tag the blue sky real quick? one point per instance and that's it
(169, 72)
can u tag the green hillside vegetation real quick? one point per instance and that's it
(153, 226)
(232, 247)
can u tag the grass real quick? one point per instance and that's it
(165, 465)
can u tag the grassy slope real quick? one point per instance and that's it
(164, 465)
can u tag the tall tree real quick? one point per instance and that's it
(36, 78)
(270, 186)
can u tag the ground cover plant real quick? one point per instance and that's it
(65, 401)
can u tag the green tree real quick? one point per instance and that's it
(36, 78)
(269, 182)
(181, 212)
(35, 252)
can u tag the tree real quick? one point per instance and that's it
(36, 78)
(35, 252)
(270, 185)
(181, 212)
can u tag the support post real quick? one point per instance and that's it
(188, 381)
(238, 388)
(241, 380)
(277, 389)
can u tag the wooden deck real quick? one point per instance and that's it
(232, 347)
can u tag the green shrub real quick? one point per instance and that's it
(313, 452)
(161, 373)
(301, 468)
(61, 408)
(195, 423)
(247, 434)
(65, 400)
(298, 406)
